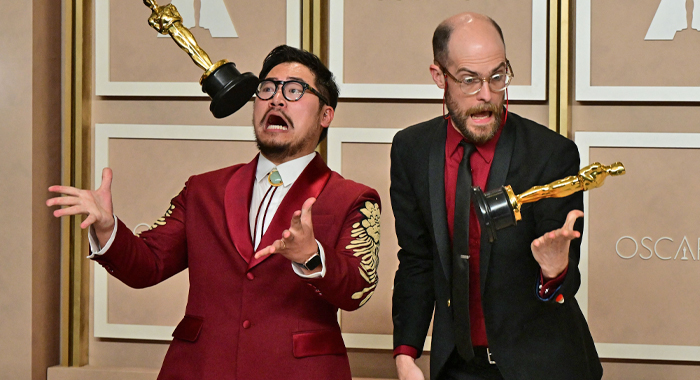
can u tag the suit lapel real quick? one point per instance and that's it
(436, 180)
(497, 178)
(309, 184)
(239, 190)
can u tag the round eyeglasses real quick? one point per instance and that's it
(471, 85)
(292, 90)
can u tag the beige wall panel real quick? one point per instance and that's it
(644, 299)
(16, 99)
(169, 111)
(147, 174)
(110, 354)
(92, 373)
(636, 300)
(46, 171)
(403, 114)
(369, 164)
(621, 57)
(650, 371)
(653, 117)
(138, 55)
(389, 41)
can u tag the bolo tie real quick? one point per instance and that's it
(275, 180)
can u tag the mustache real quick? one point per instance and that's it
(484, 107)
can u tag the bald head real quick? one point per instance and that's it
(466, 27)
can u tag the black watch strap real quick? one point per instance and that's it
(312, 263)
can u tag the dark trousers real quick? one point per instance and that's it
(478, 368)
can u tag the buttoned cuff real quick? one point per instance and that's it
(95, 249)
(406, 350)
(320, 274)
(547, 289)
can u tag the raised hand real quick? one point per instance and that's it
(551, 250)
(297, 243)
(96, 204)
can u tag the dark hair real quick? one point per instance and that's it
(325, 82)
(441, 37)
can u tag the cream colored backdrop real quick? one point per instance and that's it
(636, 102)
(154, 142)
(380, 50)
(30, 156)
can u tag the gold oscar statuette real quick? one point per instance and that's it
(228, 88)
(500, 208)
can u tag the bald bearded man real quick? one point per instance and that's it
(502, 309)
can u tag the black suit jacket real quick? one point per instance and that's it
(529, 338)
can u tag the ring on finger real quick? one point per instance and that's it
(284, 245)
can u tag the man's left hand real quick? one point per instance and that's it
(297, 243)
(551, 250)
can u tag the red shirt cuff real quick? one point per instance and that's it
(406, 350)
(547, 288)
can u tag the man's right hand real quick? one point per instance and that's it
(96, 204)
(408, 369)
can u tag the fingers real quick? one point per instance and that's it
(63, 201)
(88, 221)
(571, 219)
(66, 190)
(303, 217)
(74, 210)
(265, 251)
(296, 220)
(106, 180)
(275, 247)
(294, 238)
(560, 234)
(306, 211)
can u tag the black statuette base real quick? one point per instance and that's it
(493, 209)
(229, 89)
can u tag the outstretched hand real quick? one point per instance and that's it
(551, 250)
(96, 204)
(297, 243)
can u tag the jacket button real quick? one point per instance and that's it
(246, 324)
(250, 276)
(448, 303)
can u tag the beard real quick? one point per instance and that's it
(279, 150)
(460, 119)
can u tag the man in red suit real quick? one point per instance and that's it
(266, 277)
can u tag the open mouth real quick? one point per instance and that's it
(481, 116)
(276, 122)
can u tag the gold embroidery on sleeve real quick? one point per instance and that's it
(366, 246)
(161, 221)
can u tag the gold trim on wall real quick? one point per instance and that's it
(559, 75)
(564, 70)
(314, 17)
(553, 83)
(75, 270)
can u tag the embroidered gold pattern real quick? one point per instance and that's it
(366, 246)
(161, 221)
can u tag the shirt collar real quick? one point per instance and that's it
(289, 171)
(486, 151)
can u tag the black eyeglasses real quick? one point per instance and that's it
(292, 90)
(472, 85)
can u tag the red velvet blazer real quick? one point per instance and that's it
(252, 319)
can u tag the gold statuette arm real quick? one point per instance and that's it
(167, 20)
(590, 177)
